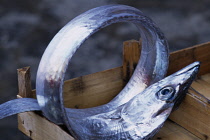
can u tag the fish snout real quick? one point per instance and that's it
(187, 74)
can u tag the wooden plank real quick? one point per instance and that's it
(24, 82)
(194, 115)
(196, 109)
(48, 130)
(131, 55)
(172, 131)
(201, 89)
(39, 128)
(206, 77)
(184, 57)
(94, 89)
(189, 119)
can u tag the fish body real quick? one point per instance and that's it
(142, 116)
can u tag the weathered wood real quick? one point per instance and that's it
(172, 131)
(201, 87)
(131, 55)
(38, 128)
(94, 89)
(194, 112)
(24, 82)
(184, 57)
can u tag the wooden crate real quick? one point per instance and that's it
(190, 122)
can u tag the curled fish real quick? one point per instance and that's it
(132, 114)
(142, 116)
(151, 68)
(50, 75)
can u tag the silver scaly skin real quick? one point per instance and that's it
(143, 115)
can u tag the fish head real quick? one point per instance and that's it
(167, 92)
(172, 89)
(149, 110)
(166, 95)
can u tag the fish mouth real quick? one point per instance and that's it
(189, 70)
(187, 74)
(164, 111)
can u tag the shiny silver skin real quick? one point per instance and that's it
(142, 116)
(151, 68)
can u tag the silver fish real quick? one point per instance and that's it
(114, 120)
(151, 68)
(142, 116)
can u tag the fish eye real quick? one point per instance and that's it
(166, 93)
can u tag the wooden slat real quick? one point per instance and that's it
(131, 55)
(194, 112)
(194, 116)
(172, 131)
(94, 89)
(206, 77)
(182, 58)
(201, 88)
(39, 128)
(47, 130)
(24, 82)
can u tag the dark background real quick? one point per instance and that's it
(27, 26)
